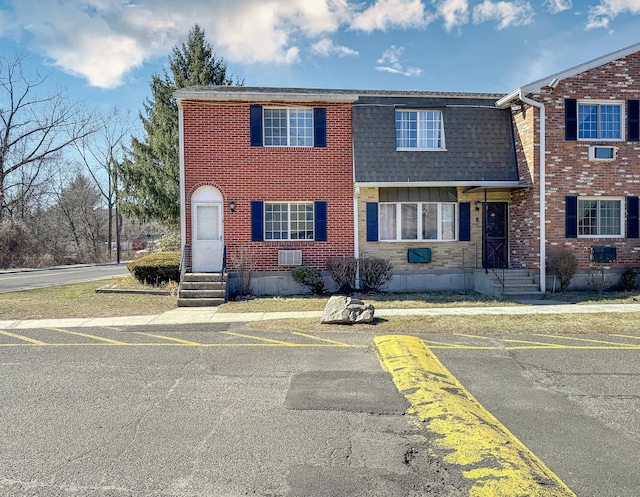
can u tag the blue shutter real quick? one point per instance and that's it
(570, 119)
(464, 211)
(319, 127)
(571, 216)
(632, 217)
(255, 125)
(257, 221)
(634, 120)
(320, 209)
(372, 221)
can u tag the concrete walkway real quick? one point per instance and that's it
(195, 315)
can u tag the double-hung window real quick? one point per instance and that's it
(600, 217)
(600, 120)
(288, 221)
(288, 127)
(407, 221)
(419, 130)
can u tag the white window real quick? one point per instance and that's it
(600, 120)
(407, 221)
(419, 130)
(288, 127)
(288, 221)
(600, 217)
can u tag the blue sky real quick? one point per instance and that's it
(104, 51)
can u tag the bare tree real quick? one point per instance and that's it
(101, 153)
(35, 127)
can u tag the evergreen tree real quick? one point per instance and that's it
(151, 176)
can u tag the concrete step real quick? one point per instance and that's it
(201, 294)
(200, 302)
(204, 277)
(203, 285)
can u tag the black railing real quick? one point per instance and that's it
(185, 263)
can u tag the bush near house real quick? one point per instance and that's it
(309, 277)
(375, 272)
(630, 280)
(564, 266)
(156, 269)
(343, 273)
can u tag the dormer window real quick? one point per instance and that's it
(600, 120)
(419, 130)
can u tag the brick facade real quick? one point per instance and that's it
(217, 152)
(569, 172)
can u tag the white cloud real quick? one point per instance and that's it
(326, 48)
(602, 14)
(390, 62)
(103, 40)
(386, 14)
(454, 12)
(518, 13)
(557, 6)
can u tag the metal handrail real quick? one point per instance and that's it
(185, 262)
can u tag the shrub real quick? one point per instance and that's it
(598, 281)
(343, 272)
(170, 242)
(564, 266)
(375, 272)
(309, 277)
(18, 245)
(629, 280)
(244, 263)
(156, 269)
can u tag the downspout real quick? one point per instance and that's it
(356, 193)
(183, 195)
(543, 236)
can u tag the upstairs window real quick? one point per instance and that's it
(600, 120)
(419, 130)
(288, 127)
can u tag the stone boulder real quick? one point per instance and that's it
(347, 310)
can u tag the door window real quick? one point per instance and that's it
(207, 222)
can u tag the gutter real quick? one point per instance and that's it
(503, 103)
(183, 195)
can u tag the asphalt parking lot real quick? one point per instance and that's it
(215, 409)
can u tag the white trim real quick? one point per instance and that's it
(183, 193)
(419, 184)
(553, 80)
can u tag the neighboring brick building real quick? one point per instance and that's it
(445, 185)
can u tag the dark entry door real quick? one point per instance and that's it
(495, 242)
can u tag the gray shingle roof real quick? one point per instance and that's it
(478, 136)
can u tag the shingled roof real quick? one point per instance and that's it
(479, 142)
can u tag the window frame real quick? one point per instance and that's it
(310, 130)
(600, 103)
(598, 225)
(421, 129)
(289, 222)
(419, 225)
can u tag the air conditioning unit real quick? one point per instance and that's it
(598, 152)
(289, 257)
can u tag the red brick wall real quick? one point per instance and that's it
(217, 153)
(569, 171)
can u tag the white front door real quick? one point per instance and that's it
(208, 244)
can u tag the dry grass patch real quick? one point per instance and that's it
(379, 301)
(540, 323)
(79, 301)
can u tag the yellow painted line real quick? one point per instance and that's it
(162, 337)
(93, 337)
(326, 340)
(23, 338)
(489, 455)
(543, 345)
(564, 337)
(268, 340)
(472, 336)
(626, 336)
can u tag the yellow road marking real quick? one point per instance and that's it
(626, 336)
(544, 345)
(496, 462)
(20, 337)
(162, 337)
(340, 344)
(93, 337)
(268, 340)
(564, 337)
